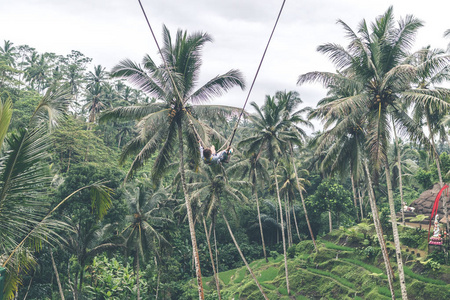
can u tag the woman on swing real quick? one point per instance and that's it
(210, 156)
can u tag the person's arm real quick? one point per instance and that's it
(201, 152)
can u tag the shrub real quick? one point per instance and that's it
(304, 247)
(371, 252)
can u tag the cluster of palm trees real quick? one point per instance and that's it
(379, 91)
(179, 120)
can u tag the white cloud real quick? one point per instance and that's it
(111, 30)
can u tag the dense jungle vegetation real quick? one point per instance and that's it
(104, 195)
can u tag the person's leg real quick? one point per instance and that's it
(223, 156)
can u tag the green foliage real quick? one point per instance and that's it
(368, 267)
(423, 178)
(24, 108)
(335, 277)
(444, 159)
(268, 274)
(306, 246)
(331, 196)
(338, 247)
(432, 265)
(438, 256)
(412, 237)
(422, 290)
(112, 279)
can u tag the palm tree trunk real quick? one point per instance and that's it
(157, 279)
(303, 201)
(296, 224)
(378, 230)
(190, 217)
(398, 250)
(330, 221)
(255, 192)
(216, 277)
(215, 248)
(399, 164)
(243, 258)
(61, 293)
(29, 285)
(282, 227)
(354, 194)
(441, 182)
(361, 203)
(138, 290)
(286, 212)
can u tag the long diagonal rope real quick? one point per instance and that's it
(249, 91)
(256, 75)
(170, 74)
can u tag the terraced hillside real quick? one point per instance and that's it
(347, 266)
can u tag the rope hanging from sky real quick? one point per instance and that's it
(249, 91)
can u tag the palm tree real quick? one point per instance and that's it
(209, 187)
(254, 167)
(373, 62)
(37, 71)
(270, 135)
(147, 215)
(292, 119)
(85, 242)
(433, 68)
(24, 178)
(9, 53)
(173, 84)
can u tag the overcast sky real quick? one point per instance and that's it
(110, 30)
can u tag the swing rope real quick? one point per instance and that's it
(249, 92)
(166, 67)
(256, 75)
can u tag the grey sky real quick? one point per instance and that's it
(111, 30)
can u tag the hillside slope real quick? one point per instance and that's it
(347, 266)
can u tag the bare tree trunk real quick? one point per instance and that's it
(282, 227)
(399, 164)
(255, 192)
(296, 224)
(157, 280)
(215, 249)
(286, 212)
(216, 277)
(190, 217)
(55, 269)
(398, 250)
(303, 200)
(68, 162)
(354, 194)
(378, 229)
(361, 203)
(330, 221)
(138, 290)
(243, 258)
(29, 285)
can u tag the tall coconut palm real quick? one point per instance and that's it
(9, 53)
(373, 61)
(433, 68)
(146, 218)
(270, 136)
(172, 83)
(209, 187)
(255, 167)
(289, 101)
